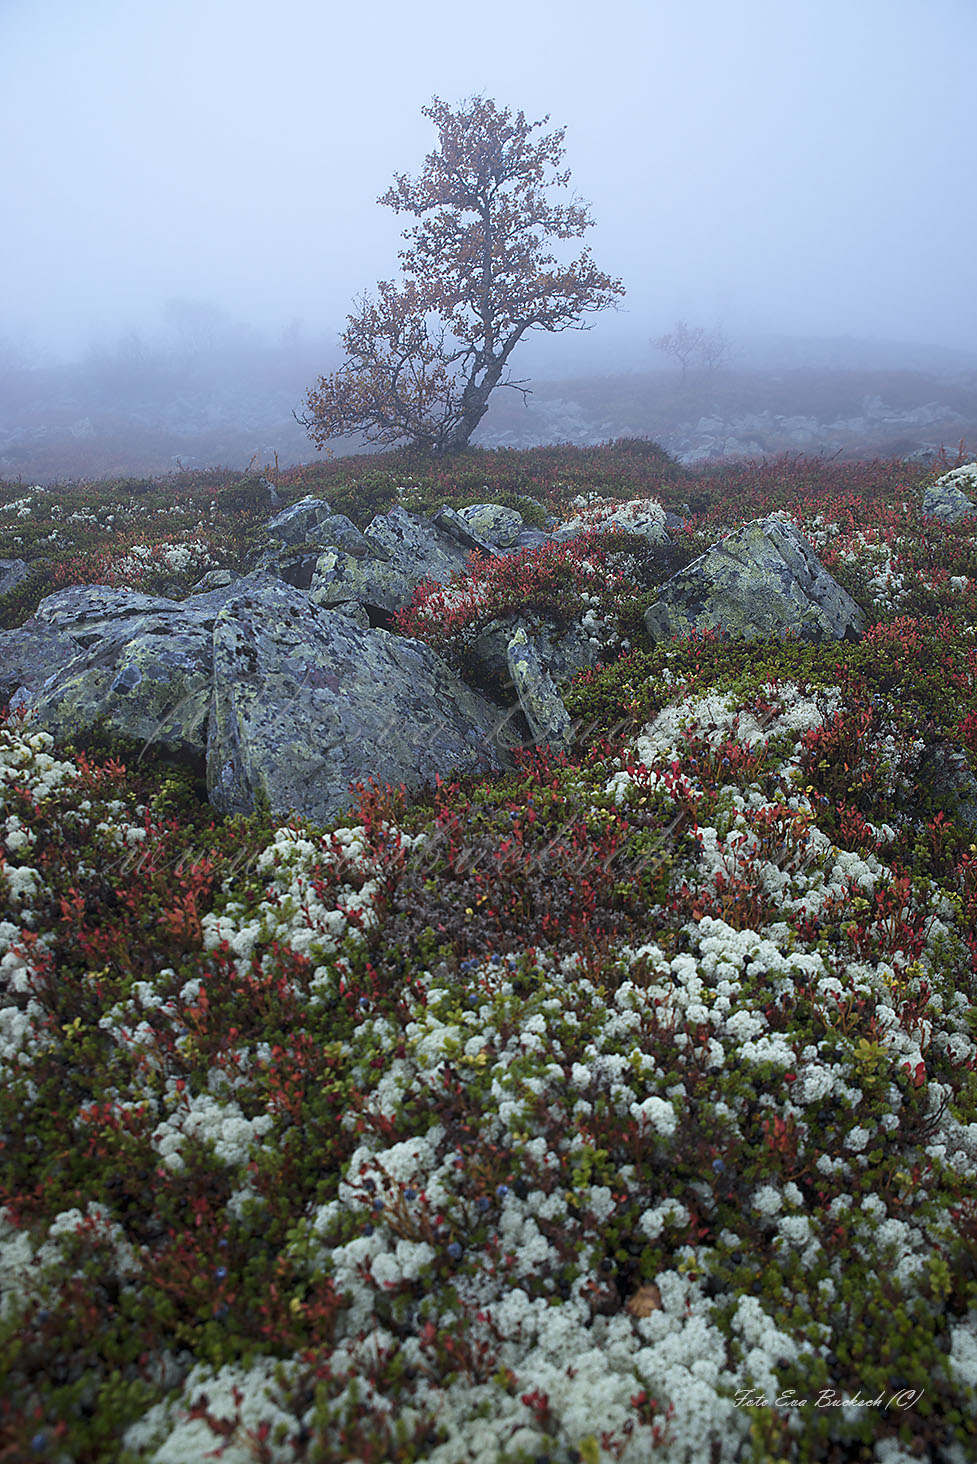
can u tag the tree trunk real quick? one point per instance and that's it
(474, 405)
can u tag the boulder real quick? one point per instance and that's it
(564, 650)
(306, 702)
(340, 578)
(129, 664)
(12, 571)
(417, 545)
(30, 656)
(297, 523)
(312, 521)
(644, 516)
(946, 499)
(493, 522)
(405, 550)
(759, 580)
(548, 718)
(152, 684)
(301, 532)
(451, 522)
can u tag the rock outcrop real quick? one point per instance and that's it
(274, 696)
(759, 580)
(306, 702)
(12, 571)
(545, 712)
(288, 695)
(404, 550)
(946, 499)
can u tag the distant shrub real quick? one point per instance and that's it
(249, 495)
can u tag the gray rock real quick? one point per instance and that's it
(528, 539)
(565, 651)
(154, 687)
(416, 545)
(312, 521)
(632, 518)
(214, 579)
(541, 703)
(413, 550)
(30, 656)
(451, 522)
(340, 578)
(946, 500)
(297, 523)
(759, 580)
(133, 665)
(492, 521)
(306, 702)
(12, 571)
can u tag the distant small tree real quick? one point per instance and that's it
(687, 344)
(682, 343)
(423, 358)
(716, 349)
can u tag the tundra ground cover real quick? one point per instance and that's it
(601, 1111)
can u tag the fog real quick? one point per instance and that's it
(773, 167)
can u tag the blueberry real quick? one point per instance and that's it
(718, 1166)
(378, 1203)
(39, 1442)
(454, 1250)
(221, 1272)
(482, 1203)
(501, 1190)
(367, 1229)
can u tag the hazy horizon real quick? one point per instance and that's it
(770, 169)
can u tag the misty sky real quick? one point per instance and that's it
(771, 166)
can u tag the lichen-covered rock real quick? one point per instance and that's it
(405, 550)
(154, 687)
(300, 533)
(297, 523)
(306, 702)
(312, 521)
(214, 579)
(12, 571)
(340, 578)
(498, 525)
(90, 613)
(541, 703)
(129, 664)
(451, 522)
(564, 651)
(644, 516)
(759, 580)
(416, 545)
(30, 656)
(528, 539)
(947, 499)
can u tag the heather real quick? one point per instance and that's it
(531, 1118)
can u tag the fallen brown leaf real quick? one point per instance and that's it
(644, 1301)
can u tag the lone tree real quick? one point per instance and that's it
(686, 344)
(423, 358)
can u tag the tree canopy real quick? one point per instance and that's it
(424, 356)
